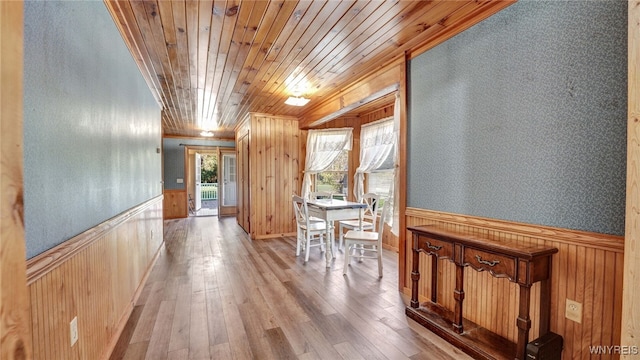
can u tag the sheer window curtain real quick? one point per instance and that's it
(323, 147)
(377, 142)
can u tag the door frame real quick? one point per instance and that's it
(197, 174)
(189, 177)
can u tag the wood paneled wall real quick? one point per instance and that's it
(175, 204)
(588, 269)
(389, 241)
(274, 174)
(14, 329)
(95, 276)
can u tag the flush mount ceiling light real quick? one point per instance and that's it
(207, 123)
(297, 101)
(297, 85)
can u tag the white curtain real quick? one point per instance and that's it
(377, 141)
(323, 147)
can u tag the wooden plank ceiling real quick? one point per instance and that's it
(208, 62)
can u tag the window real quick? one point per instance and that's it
(377, 154)
(323, 148)
(380, 181)
(334, 179)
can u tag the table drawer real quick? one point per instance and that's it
(441, 249)
(497, 265)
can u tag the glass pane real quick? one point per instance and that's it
(380, 182)
(334, 180)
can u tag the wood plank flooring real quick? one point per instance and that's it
(215, 294)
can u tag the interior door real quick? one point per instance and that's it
(242, 195)
(198, 182)
(229, 179)
(228, 184)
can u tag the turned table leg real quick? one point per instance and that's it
(328, 247)
(415, 274)
(434, 279)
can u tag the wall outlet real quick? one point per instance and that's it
(573, 311)
(73, 330)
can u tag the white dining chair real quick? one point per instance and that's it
(365, 244)
(316, 195)
(369, 216)
(309, 233)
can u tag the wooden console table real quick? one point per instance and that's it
(520, 263)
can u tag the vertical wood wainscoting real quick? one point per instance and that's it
(95, 276)
(587, 269)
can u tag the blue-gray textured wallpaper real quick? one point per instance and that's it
(91, 124)
(523, 118)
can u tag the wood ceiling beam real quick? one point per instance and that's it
(348, 108)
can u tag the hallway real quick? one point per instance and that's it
(215, 294)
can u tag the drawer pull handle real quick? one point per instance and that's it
(433, 247)
(486, 262)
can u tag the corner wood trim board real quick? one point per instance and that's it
(42, 264)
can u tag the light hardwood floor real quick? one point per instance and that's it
(215, 294)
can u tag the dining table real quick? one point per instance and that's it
(331, 210)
